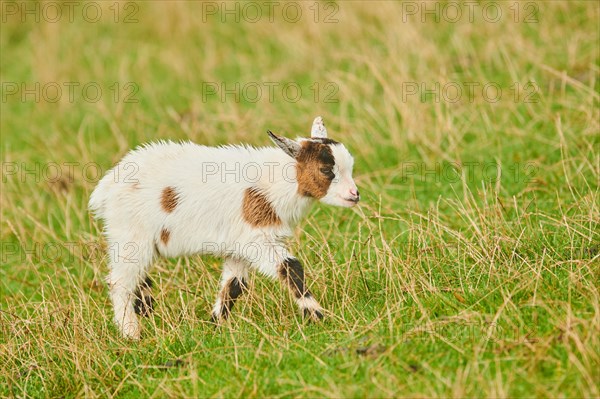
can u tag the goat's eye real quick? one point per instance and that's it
(328, 172)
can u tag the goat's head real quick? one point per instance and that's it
(323, 168)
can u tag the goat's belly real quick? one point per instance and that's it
(233, 240)
(198, 229)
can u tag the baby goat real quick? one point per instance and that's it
(237, 202)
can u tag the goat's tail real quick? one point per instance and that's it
(100, 195)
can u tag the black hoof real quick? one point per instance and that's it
(312, 314)
(143, 306)
(218, 321)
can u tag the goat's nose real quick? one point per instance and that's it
(354, 192)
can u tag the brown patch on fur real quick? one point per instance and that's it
(168, 200)
(257, 209)
(314, 170)
(164, 236)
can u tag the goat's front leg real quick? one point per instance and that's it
(291, 274)
(274, 260)
(234, 281)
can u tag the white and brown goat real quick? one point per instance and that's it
(238, 202)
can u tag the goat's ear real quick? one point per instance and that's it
(290, 147)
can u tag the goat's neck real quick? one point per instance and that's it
(290, 206)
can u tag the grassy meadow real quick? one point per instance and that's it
(470, 268)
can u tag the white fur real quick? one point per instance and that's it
(342, 184)
(210, 183)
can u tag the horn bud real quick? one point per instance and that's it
(318, 129)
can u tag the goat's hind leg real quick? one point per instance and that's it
(144, 303)
(234, 281)
(129, 263)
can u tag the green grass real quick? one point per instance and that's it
(470, 269)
